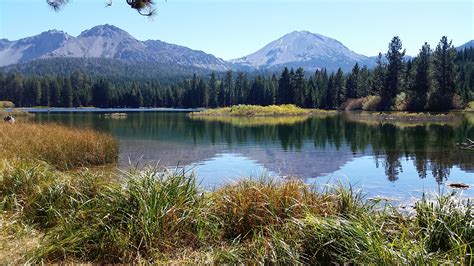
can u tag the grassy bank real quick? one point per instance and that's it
(258, 111)
(406, 119)
(17, 113)
(59, 146)
(158, 216)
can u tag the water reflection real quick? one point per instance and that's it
(313, 147)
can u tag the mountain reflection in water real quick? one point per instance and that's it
(317, 147)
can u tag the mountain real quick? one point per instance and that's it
(469, 44)
(104, 41)
(303, 49)
(12, 52)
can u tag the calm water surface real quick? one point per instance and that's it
(399, 161)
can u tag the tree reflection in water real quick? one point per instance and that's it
(431, 147)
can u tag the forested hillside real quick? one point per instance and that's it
(439, 79)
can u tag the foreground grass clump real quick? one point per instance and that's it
(256, 110)
(60, 146)
(148, 216)
(250, 206)
(156, 216)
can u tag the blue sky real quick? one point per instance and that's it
(234, 28)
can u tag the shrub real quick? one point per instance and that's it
(470, 106)
(353, 104)
(6, 104)
(371, 103)
(457, 102)
(401, 102)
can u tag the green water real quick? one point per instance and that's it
(399, 160)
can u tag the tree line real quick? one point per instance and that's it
(439, 79)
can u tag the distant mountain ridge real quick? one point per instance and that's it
(296, 49)
(104, 41)
(303, 49)
(469, 44)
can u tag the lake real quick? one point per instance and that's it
(396, 160)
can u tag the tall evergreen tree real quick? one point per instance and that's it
(444, 75)
(213, 101)
(284, 88)
(299, 90)
(423, 82)
(353, 82)
(395, 67)
(378, 77)
(339, 88)
(203, 93)
(229, 89)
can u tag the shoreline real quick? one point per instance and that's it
(103, 110)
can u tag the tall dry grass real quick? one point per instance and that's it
(248, 206)
(60, 146)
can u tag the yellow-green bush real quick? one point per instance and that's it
(255, 110)
(372, 103)
(401, 102)
(6, 104)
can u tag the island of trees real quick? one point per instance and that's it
(434, 80)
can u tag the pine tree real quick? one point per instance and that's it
(310, 97)
(213, 94)
(229, 89)
(55, 92)
(284, 88)
(339, 88)
(353, 82)
(203, 91)
(378, 77)
(330, 94)
(221, 95)
(393, 80)
(423, 79)
(67, 94)
(365, 82)
(444, 75)
(299, 87)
